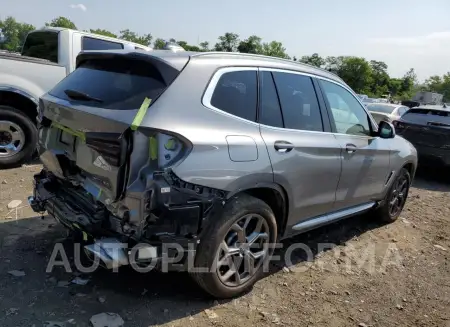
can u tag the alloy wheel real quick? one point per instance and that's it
(398, 196)
(12, 138)
(243, 250)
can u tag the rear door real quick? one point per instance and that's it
(305, 156)
(86, 118)
(365, 158)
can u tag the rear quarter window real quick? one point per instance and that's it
(236, 93)
(120, 84)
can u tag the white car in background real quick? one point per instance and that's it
(386, 111)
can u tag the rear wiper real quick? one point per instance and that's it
(77, 95)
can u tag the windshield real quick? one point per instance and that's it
(380, 108)
(43, 45)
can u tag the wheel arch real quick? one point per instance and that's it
(20, 100)
(411, 168)
(274, 195)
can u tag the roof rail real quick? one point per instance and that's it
(252, 55)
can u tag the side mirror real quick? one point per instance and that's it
(386, 130)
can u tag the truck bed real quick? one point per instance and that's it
(32, 75)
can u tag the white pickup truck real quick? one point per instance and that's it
(48, 55)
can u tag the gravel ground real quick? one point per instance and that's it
(373, 275)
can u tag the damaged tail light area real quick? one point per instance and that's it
(109, 145)
(170, 209)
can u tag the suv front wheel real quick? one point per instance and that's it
(395, 198)
(235, 247)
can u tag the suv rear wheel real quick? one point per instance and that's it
(18, 137)
(235, 247)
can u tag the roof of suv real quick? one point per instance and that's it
(233, 57)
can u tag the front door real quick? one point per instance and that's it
(365, 157)
(305, 155)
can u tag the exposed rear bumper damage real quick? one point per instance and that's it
(170, 218)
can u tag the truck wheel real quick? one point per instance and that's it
(235, 247)
(18, 137)
(395, 198)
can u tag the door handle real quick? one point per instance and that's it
(350, 148)
(283, 146)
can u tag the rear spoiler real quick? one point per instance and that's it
(168, 65)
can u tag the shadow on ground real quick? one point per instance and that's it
(141, 299)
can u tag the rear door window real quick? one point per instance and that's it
(236, 93)
(43, 45)
(299, 103)
(118, 84)
(90, 43)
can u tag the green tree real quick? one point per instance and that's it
(228, 42)
(102, 32)
(14, 33)
(204, 46)
(62, 22)
(408, 82)
(159, 44)
(395, 86)
(183, 44)
(357, 73)
(251, 45)
(380, 78)
(128, 35)
(274, 49)
(314, 60)
(188, 47)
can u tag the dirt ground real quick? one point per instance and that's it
(375, 275)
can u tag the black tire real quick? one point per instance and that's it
(19, 118)
(384, 212)
(235, 209)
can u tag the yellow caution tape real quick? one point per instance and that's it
(85, 235)
(70, 131)
(153, 148)
(140, 114)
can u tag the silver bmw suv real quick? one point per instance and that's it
(219, 154)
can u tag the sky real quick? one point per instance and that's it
(403, 33)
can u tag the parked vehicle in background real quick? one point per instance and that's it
(428, 98)
(428, 129)
(386, 111)
(369, 100)
(382, 100)
(48, 55)
(363, 96)
(289, 148)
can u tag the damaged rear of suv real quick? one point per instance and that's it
(116, 138)
(220, 154)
